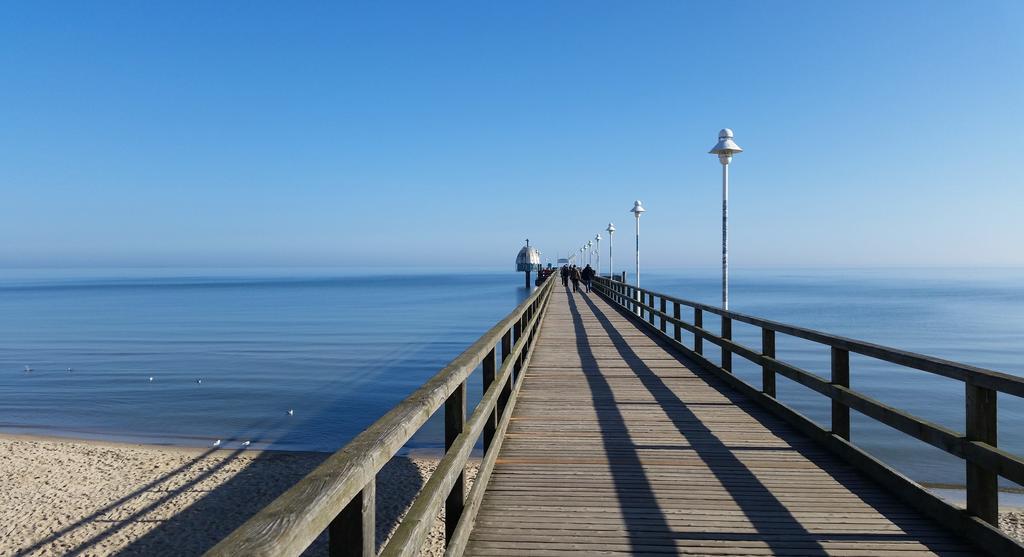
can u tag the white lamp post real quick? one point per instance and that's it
(638, 209)
(611, 236)
(590, 254)
(725, 149)
(597, 253)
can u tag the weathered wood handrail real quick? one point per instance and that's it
(977, 445)
(338, 496)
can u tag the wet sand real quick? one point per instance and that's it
(96, 498)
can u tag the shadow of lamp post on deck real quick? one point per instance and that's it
(725, 149)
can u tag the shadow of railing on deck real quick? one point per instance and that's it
(765, 512)
(640, 511)
(763, 509)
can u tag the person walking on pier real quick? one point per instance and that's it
(574, 275)
(588, 277)
(565, 275)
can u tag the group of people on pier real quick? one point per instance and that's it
(577, 275)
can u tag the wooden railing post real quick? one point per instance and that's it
(698, 321)
(840, 377)
(663, 311)
(488, 378)
(506, 389)
(518, 328)
(726, 353)
(982, 484)
(768, 351)
(352, 533)
(650, 304)
(678, 334)
(454, 422)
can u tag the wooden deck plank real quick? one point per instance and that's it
(617, 447)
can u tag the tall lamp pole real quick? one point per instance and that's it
(725, 149)
(590, 253)
(597, 253)
(611, 237)
(637, 210)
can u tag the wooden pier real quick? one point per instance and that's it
(606, 433)
(618, 445)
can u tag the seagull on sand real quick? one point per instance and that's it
(246, 443)
(216, 443)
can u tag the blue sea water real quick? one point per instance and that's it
(340, 348)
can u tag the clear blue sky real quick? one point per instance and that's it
(246, 133)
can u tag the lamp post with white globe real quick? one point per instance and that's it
(611, 236)
(725, 149)
(637, 210)
(597, 254)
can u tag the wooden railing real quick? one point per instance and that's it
(338, 496)
(985, 462)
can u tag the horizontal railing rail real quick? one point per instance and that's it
(338, 496)
(977, 445)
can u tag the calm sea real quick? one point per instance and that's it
(186, 357)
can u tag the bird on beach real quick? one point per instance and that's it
(246, 443)
(216, 443)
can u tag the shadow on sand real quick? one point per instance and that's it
(215, 510)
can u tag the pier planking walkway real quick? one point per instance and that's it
(618, 446)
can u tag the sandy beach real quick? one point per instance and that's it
(64, 497)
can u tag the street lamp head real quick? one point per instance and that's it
(597, 237)
(610, 229)
(726, 147)
(638, 208)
